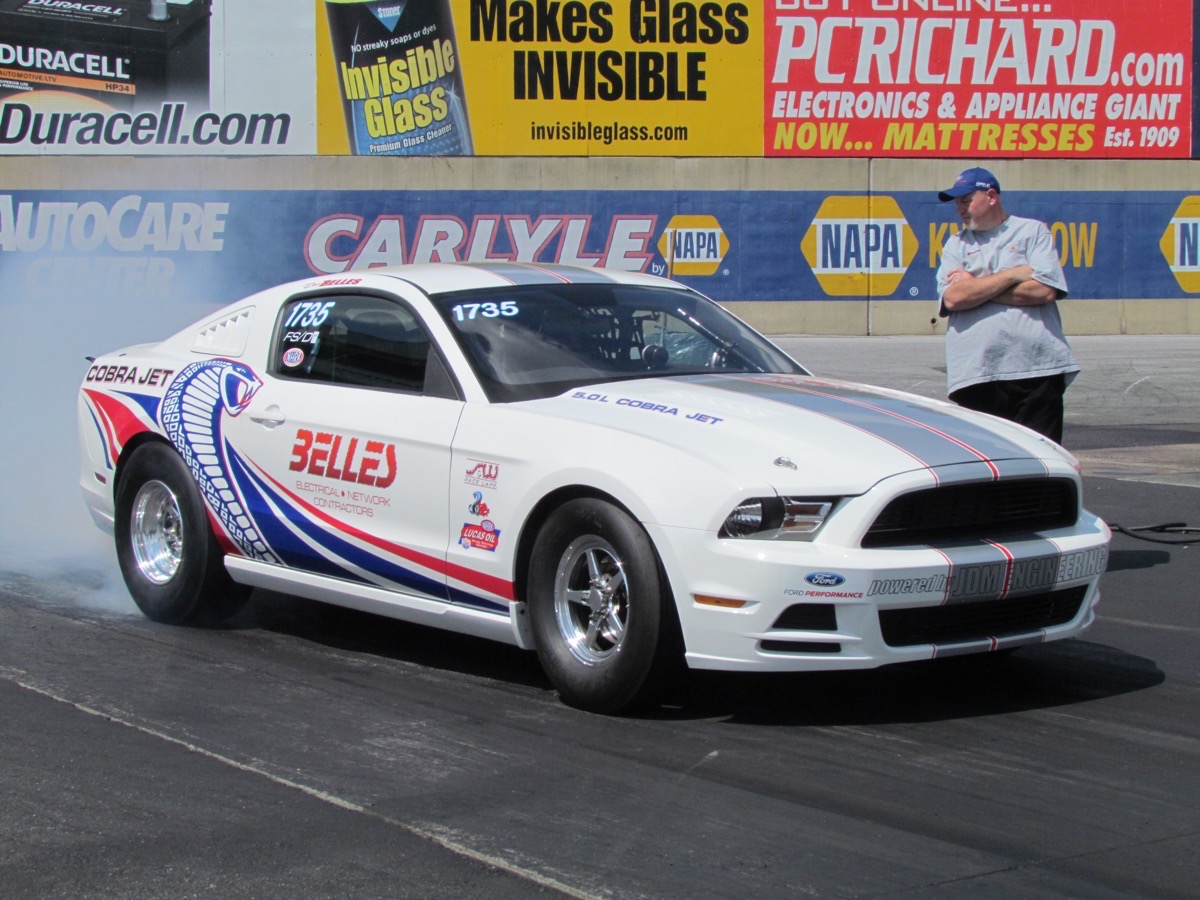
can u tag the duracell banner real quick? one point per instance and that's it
(137, 54)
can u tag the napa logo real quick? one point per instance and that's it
(1180, 245)
(693, 245)
(859, 246)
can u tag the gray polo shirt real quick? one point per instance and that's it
(995, 342)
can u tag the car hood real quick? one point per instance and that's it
(798, 432)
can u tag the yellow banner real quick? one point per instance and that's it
(526, 78)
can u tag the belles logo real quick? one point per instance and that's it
(335, 456)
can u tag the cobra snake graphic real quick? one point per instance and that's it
(191, 416)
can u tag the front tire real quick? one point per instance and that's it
(603, 618)
(167, 552)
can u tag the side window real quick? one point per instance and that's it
(356, 340)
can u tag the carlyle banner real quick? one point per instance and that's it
(524, 78)
(979, 78)
(217, 246)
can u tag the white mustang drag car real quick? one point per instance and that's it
(604, 467)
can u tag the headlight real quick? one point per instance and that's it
(777, 518)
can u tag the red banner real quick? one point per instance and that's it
(978, 78)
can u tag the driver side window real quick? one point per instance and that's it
(360, 341)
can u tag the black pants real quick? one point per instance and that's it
(1036, 403)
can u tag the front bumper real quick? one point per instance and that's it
(814, 607)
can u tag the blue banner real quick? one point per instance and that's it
(218, 246)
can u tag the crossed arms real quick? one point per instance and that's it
(1011, 287)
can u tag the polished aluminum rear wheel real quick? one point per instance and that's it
(156, 532)
(169, 556)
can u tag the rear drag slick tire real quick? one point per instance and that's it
(169, 557)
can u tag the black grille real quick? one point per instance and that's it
(975, 621)
(979, 510)
(808, 617)
(799, 647)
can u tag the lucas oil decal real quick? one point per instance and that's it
(484, 536)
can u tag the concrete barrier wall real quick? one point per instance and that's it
(1116, 190)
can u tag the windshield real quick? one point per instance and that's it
(526, 342)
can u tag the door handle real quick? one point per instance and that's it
(269, 417)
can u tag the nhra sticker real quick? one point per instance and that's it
(293, 357)
(483, 536)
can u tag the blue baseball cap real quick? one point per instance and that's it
(968, 182)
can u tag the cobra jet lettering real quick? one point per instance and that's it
(648, 406)
(949, 51)
(113, 374)
(341, 243)
(154, 377)
(127, 226)
(338, 457)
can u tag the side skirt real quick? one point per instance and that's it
(365, 598)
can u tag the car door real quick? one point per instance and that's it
(347, 444)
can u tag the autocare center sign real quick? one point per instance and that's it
(979, 78)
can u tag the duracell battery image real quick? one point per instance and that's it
(125, 54)
(399, 77)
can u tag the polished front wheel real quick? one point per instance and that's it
(591, 600)
(603, 618)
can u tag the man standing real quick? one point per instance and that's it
(998, 282)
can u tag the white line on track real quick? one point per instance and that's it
(453, 846)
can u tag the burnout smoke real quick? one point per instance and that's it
(56, 314)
